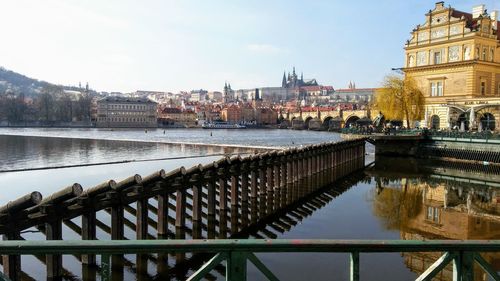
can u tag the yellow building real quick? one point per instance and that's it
(454, 57)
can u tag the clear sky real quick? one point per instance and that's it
(172, 45)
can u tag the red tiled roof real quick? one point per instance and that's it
(316, 88)
(471, 22)
(355, 90)
(171, 110)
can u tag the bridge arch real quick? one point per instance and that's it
(306, 122)
(351, 120)
(326, 122)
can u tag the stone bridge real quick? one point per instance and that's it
(331, 119)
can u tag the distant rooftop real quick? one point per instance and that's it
(127, 99)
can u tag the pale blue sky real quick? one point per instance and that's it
(182, 45)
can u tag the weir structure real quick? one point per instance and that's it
(218, 200)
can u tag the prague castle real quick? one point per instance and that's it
(454, 57)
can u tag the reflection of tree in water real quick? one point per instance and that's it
(395, 205)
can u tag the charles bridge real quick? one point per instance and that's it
(320, 119)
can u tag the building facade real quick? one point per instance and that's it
(115, 112)
(173, 116)
(454, 57)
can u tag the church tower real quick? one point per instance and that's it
(283, 82)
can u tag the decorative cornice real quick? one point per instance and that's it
(450, 64)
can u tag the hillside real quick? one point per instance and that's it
(11, 81)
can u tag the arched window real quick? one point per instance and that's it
(488, 121)
(435, 122)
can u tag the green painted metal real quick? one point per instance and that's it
(268, 273)
(77, 247)
(457, 268)
(105, 267)
(207, 267)
(237, 253)
(486, 267)
(436, 267)
(467, 266)
(354, 261)
(236, 266)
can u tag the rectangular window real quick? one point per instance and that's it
(430, 213)
(483, 87)
(484, 53)
(437, 57)
(433, 89)
(436, 215)
(439, 88)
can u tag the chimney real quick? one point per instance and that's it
(494, 19)
(477, 11)
(439, 5)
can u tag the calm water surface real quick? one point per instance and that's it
(392, 200)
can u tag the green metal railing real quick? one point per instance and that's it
(484, 136)
(402, 132)
(236, 253)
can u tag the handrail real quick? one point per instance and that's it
(236, 253)
(13, 247)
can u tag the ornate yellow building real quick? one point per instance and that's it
(455, 59)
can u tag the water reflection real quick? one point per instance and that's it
(425, 201)
(21, 152)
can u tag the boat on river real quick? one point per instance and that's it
(222, 125)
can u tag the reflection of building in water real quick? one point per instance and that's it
(436, 208)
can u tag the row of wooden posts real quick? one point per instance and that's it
(200, 199)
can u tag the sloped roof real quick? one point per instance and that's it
(127, 99)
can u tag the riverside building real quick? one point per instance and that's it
(124, 112)
(454, 57)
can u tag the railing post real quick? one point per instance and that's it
(270, 173)
(162, 226)
(141, 227)
(53, 231)
(254, 177)
(262, 174)
(466, 265)
(244, 182)
(289, 176)
(354, 270)
(89, 233)
(234, 171)
(180, 204)
(244, 192)
(211, 194)
(236, 268)
(221, 174)
(196, 181)
(12, 263)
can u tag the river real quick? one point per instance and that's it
(394, 199)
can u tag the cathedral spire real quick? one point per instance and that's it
(283, 82)
(302, 76)
(293, 73)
